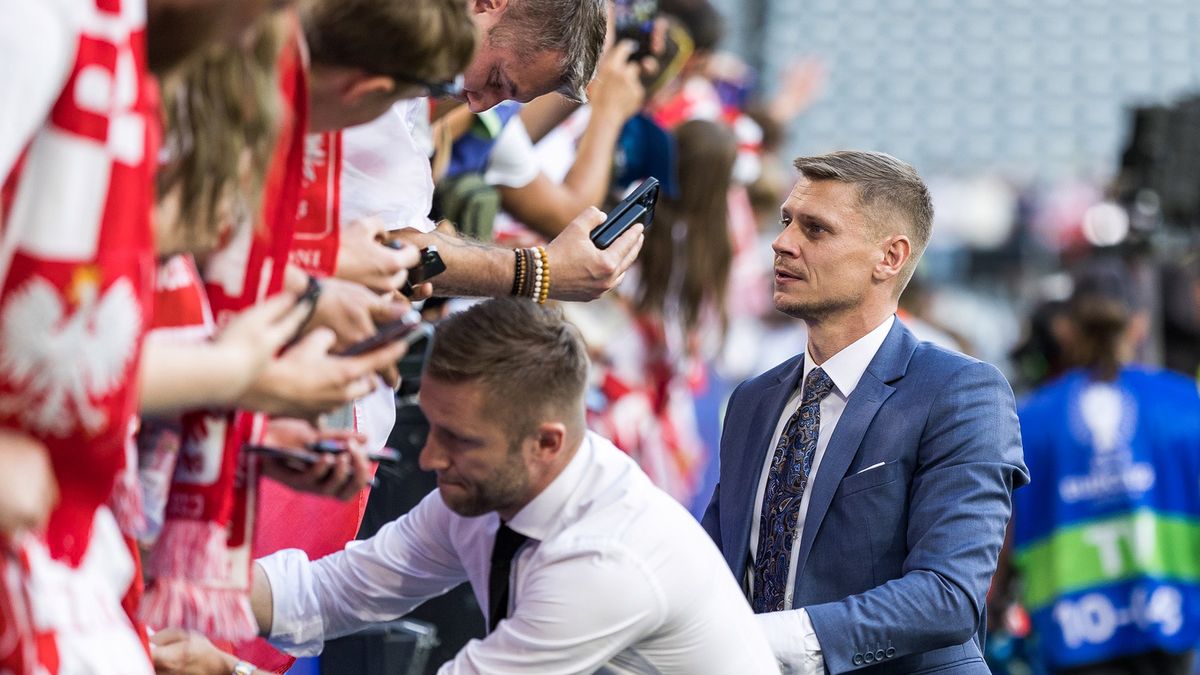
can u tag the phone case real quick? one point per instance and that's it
(388, 333)
(638, 207)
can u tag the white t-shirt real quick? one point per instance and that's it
(512, 162)
(386, 172)
(616, 578)
(385, 168)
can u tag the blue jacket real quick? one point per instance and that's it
(895, 562)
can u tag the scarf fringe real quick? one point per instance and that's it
(189, 557)
(219, 613)
(125, 502)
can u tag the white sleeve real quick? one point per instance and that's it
(796, 657)
(37, 47)
(513, 163)
(564, 624)
(407, 562)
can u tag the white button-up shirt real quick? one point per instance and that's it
(845, 369)
(617, 578)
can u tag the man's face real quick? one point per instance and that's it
(826, 254)
(498, 74)
(479, 467)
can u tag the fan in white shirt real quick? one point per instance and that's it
(614, 576)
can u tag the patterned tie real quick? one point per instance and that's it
(790, 467)
(506, 546)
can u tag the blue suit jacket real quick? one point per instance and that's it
(895, 561)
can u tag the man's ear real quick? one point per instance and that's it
(361, 87)
(897, 249)
(488, 6)
(551, 439)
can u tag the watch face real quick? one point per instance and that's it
(243, 668)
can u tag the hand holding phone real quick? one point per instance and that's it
(638, 207)
(634, 20)
(430, 266)
(388, 333)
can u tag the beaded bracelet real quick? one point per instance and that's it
(527, 285)
(518, 286)
(536, 291)
(545, 278)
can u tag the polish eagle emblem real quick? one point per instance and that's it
(59, 361)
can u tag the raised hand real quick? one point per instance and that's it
(579, 270)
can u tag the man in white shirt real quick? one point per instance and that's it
(866, 483)
(580, 563)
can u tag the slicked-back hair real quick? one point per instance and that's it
(574, 28)
(432, 40)
(890, 192)
(531, 361)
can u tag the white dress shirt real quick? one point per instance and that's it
(617, 578)
(845, 369)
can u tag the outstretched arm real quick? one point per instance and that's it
(579, 270)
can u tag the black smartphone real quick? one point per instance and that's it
(638, 207)
(388, 333)
(430, 266)
(635, 21)
(328, 447)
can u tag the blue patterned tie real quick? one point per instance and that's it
(790, 467)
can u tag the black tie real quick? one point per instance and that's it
(506, 546)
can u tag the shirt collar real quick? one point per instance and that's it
(540, 517)
(846, 367)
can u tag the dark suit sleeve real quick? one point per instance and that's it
(968, 462)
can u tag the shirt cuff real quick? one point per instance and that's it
(296, 623)
(794, 642)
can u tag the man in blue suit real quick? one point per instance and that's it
(866, 483)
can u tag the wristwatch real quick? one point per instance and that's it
(243, 668)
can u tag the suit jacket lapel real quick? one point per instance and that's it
(873, 389)
(741, 486)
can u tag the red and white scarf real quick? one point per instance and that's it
(200, 565)
(77, 269)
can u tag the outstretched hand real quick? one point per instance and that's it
(365, 258)
(307, 380)
(339, 475)
(579, 270)
(28, 490)
(179, 652)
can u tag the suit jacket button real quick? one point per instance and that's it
(891, 651)
(869, 657)
(858, 659)
(879, 655)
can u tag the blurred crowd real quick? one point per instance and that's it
(211, 209)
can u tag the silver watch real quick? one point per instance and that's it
(243, 668)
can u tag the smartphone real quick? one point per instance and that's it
(387, 334)
(385, 456)
(638, 207)
(430, 266)
(635, 21)
(329, 447)
(300, 460)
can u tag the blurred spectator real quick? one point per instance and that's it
(651, 343)
(1107, 536)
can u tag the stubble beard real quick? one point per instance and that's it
(502, 490)
(819, 310)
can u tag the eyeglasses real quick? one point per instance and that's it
(444, 88)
